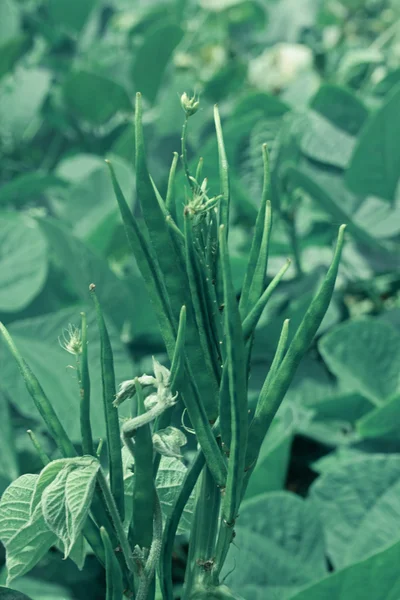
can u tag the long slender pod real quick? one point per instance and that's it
(170, 199)
(148, 266)
(237, 378)
(143, 493)
(272, 395)
(38, 447)
(199, 302)
(254, 280)
(223, 172)
(40, 399)
(114, 582)
(250, 322)
(84, 385)
(110, 412)
(147, 576)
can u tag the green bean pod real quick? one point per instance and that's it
(250, 322)
(40, 399)
(114, 583)
(197, 291)
(110, 412)
(148, 265)
(237, 379)
(254, 280)
(170, 199)
(223, 172)
(84, 385)
(269, 401)
(44, 459)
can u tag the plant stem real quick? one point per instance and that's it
(294, 242)
(184, 152)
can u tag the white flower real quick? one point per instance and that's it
(71, 340)
(279, 66)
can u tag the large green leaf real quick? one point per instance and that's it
(37, 340)
(23, 261)
(376, 578)
(70, 15)
(383, 421)
(124, 301)
(25, 536)
(38, 589)
(340, 106)
(375, 166)
(365, 356)
(95, 98)
(10, 20)
(153, 56)
(66, 501)
(278, 547)
(321, 140)
(21, 97)
(332, 421)
(88, 203)
(359, 506)
(8, 456)
(8, 594)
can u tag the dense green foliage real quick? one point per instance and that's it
(319, 83)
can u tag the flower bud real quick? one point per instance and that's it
(168, 441)
(189, 105)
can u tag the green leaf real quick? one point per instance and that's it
(153, 57)
(8, 594)
(375, 165)
(88, 204)
(66, 500)
(331, 421)
(170, 475)
(40, 589)
(37, 340)
(95, 98)
(10, 20)
(383, 421)
(8, 456)
(364, 355)
(376, 578)
(341, 107)
(359, 506)
(70, 15)
(21, 97)
(11, 51)
(26, 187)
(320, 140)
(278, 547)
(23, 261)
(25, 535)
(124, 301)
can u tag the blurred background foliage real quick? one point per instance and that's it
(319, 81)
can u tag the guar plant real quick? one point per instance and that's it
(182, 253)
